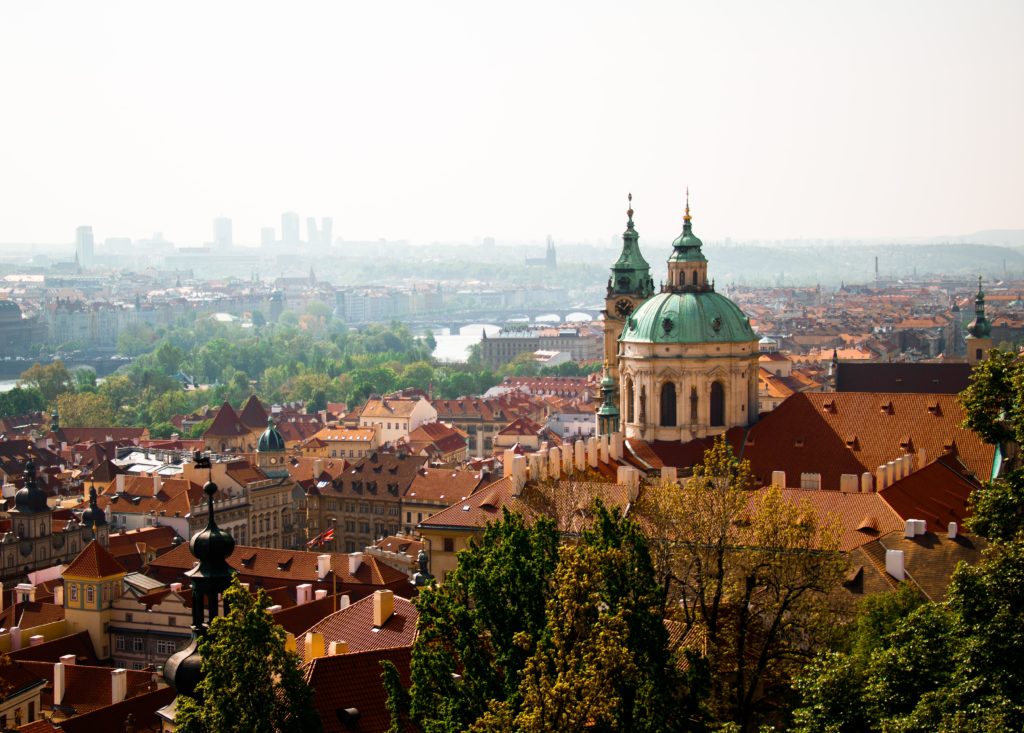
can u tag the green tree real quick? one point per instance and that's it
(135, 339)
(49, 379)
(21, 401)
(418, 374)
(85, 410)
(250, 683)
(994, 399)
(85, 380)
(748, 571)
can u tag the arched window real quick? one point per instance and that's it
(717, 405)
(668, 405)
(630, 400)
(693, 404)
(694, 277)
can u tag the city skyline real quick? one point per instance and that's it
(454, 124)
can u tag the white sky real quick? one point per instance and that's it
(454, 120)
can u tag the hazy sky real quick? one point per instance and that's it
(455, 120)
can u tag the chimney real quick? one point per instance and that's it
(555, 462)
(337, 647)
(314, 645)
(120, 483)
(920, 527)
(303, 593)
(922, 459)
(669, 474)
(320, 594)
(36, 639)
(383, 607)
(345, 602)
(25, 592)
(274, 609)
(592, 452)
(908, 529)
(779, 479)
(15, 632)
(176, 587)
(580, 455)
(866, 482)
(894, 563)
(951, 531)
(58, 595)
(289, 642)
(118, 685)
(323, 566)
(518, 474)
(603, 451)
(615, 446)
(318, 468)
(507, 457)
(355, 559)
(880, 477)
(157, 484)
(58, 677)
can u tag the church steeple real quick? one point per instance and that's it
(979, 331)
(607, 413)
(631, 274)
(687, 265)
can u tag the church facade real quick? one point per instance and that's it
(683, 360)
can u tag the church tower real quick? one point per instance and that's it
(688, 360)
(979, 331)
(629, 285)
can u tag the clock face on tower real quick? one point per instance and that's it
(624, 307)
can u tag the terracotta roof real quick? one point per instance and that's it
(35, 613)
(254, 415)
(354, 625)
(443, 485)
(17, 677)
(180, 503)
(380, 475)
(344, 434)
(353, 680)
(297, 619)
(832, 433)
(51, 651)
(88, 688)
(226, 424)
(274, 564)
(389, 407)
(99, 435)
(112, 717)
(94, 561)
(943, 378)
(931, 558)
(402, 545)
(159, 539)
(521, 426)
(939, 493)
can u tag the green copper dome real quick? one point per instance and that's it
(271, 439)
(688, 318)
(687, 246)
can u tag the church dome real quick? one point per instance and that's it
(29, 499)
(688, 318)
(271, 440)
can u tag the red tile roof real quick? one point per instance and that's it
(94, 561)
(938, 493)
(354, 681)
(354, 625)
(226, 424)
(254, 415)
(142, 707)
(51, 651)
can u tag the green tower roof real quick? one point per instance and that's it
(687, 247)
(271, 439)
(688, 318)
(631, 274)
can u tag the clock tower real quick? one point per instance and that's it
(629, 285)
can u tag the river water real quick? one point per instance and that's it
(455, 347)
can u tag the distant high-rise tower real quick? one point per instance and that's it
(312, 236)
(84, 246)
(289, 228)
(222, 233)
(319, 235)
(326, 231)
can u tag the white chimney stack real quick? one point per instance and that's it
(15, 632)
(951, 531)
(355, 559)
(58, 595)
(320, 594)
(176, 587)
(669, 474)
(36, 639)
(303, 593)
(518, 474)
(867, 484)
(580, 455)
(908, 529)
(120, 483)
(507, 457)
(615, 446)
(59, 683)
(344, 602)
(318, 468)
(323, 566)
(880, 478)
(779, 479)
(554, 462)
(920, 527)
(894, 563)
(157, 484)
(592, 452)
(118, 685)
(603, 450)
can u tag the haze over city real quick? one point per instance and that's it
(458, 121)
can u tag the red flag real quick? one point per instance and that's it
(316, 540)
(328, 535)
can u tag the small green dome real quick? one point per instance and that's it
(687, 247)
(270, 440)
(688, 318)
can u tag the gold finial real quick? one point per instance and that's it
(686, 216)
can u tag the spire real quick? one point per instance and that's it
(686, 216)
(607, 413)
(629, 211)
(631, 274)
(979, 327)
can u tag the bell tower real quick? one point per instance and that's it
(629, 285)
(979, 331)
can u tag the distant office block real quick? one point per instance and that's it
(268, 236)
(319, 235)
(326, 231)
(222, 233)
(289, 228)
(312, 235)
(84, 246)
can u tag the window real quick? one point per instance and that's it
(128, 617)
(350, 546)
(378, 509)
(90, 594)
(332, 505)
(74, 592)
(364, 508)
(119, 643)
(449, 544)
(172, 621)
(364, 527)
(668, 405)
(717, 404)
(31, 711)
(350, 525)
(138, 644)
(408, 517)
(393, 510)
(629, 400)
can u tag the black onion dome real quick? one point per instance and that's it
(93, 516)
(212, 545)
(183, 669)
(30, 499)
